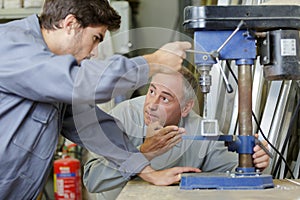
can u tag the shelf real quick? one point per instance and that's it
(17, 13)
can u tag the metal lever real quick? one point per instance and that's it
(231, 35)
(215, 54)
(199, 52)
(228, 85)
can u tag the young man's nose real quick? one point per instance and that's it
(94, 52)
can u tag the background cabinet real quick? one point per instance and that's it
(17, 13)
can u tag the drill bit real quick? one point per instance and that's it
(204, 105)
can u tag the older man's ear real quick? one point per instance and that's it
(187, 108)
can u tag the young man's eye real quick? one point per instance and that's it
(96, 38)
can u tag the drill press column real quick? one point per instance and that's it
(245, 110)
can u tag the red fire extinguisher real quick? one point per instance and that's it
(67, 178)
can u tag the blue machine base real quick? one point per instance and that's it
(225, 181)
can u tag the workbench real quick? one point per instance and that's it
(285, 189)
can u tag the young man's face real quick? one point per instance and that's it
(163, 100)
(85, 43)
(71, 38)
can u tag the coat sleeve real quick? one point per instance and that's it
(30, 70)
(101, 134)
(100, 176)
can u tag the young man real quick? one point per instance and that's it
(167, 104)
(48, 86)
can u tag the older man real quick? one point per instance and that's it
(167, 105)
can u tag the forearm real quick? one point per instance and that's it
(99, 81)
(101, 134)
(94, 80)
(146, 174)
(99, 176)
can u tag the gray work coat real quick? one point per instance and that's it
(43, 95)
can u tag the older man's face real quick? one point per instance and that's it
(163, 100)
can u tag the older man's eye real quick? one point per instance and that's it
(151, 92)
(165, 100)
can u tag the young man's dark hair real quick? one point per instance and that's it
(87, 13)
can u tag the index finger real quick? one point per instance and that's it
(155, 125)
(184, 44)
(168, 129)
(188, 169)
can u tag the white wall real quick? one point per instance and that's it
(156, 13)
(160, 13)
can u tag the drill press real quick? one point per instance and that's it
(242, 33)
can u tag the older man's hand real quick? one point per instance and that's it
(261, 159)
(166, 176)
(160, 139)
